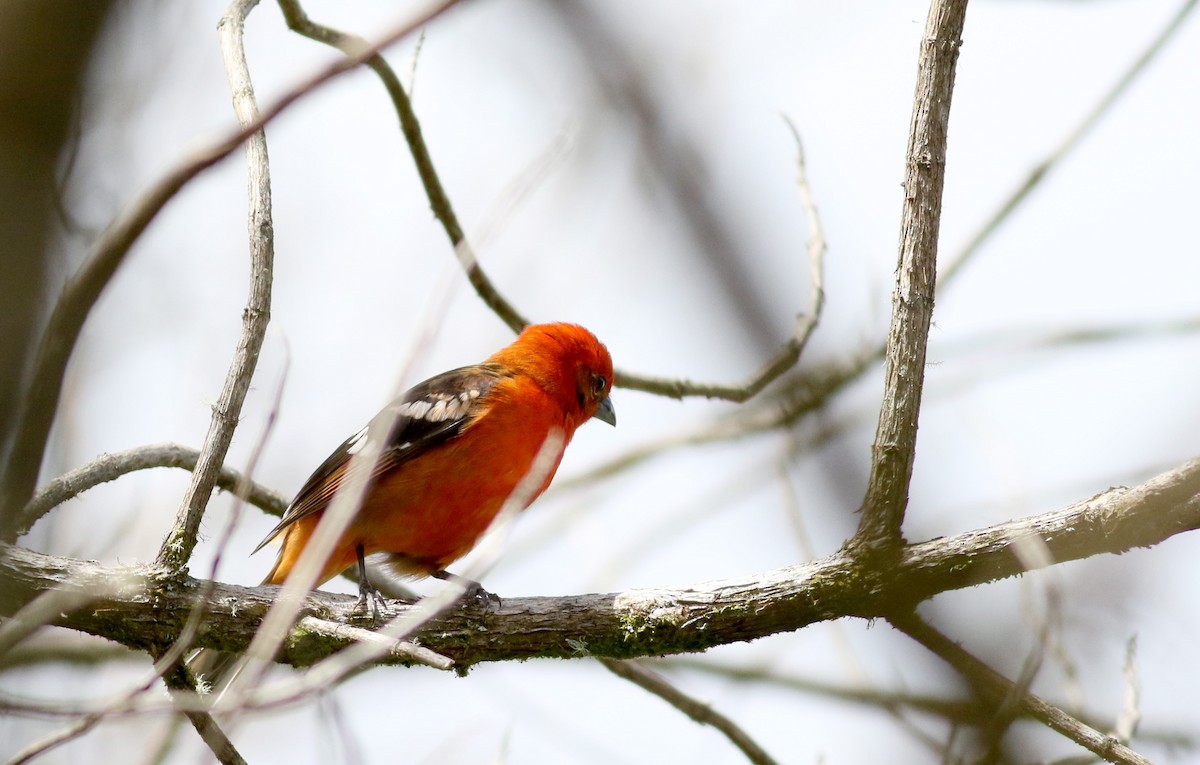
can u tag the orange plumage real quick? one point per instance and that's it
(457, 446)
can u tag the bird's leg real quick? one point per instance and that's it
(472, 590)
(366, 591)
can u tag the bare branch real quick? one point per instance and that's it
(1131, 712)
(698, 711)
(789, 353)
(912, 301)
(177, 548)
(967, 711)
(147, 612)
(997, 688)
(439, 201)
(960, 711)
(109, 467)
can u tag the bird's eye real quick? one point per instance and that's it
(599, 385)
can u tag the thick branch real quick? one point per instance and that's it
(912, 301)
(142, 611)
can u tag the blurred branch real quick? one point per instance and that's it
(999, 690)
(147, 612)
(960, 711)
(85, 286)
(109, 467)
(58, 647)
(669, 155)
(1068, 143)
(697, 710)
(177, 548)
(808, 391)
(894, 450)
(44, 52)
(968, 711)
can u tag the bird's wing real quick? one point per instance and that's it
(429, 414)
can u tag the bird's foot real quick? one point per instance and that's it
(473, 592)
(371, 603)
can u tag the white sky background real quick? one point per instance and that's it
(1109, 239)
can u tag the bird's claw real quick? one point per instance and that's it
(377, 604)
(473, 593)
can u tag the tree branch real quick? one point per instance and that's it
(998, 689)
(177, 548)
(439, 201)
(145, 610)
(109, 467)
(697, 710)
(912, 301)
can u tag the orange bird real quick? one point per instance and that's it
(457, 446)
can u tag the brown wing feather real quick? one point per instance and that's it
(430, 413)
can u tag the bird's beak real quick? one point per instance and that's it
(606, 413)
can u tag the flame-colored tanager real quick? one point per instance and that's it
(457, 446)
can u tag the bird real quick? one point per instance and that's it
(454, 448)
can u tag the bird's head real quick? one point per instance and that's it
(571, 364)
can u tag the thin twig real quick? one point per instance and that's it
(439, 201)
(998, 688)
(109, 467)
(967, 711)
(960, 711)
(894, 450)
(402, 650)
(789, 353)
(83, 288)
(1131, 711)
(177, 548)
(698, 711)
